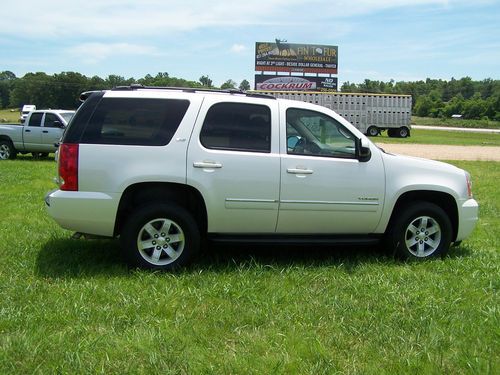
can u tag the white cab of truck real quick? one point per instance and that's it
(165, 169)
(39, 133)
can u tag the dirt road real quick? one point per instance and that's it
(444, 152)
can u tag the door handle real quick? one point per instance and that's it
(206, 164)
(45, 131)
(300, 171)
(28, 131)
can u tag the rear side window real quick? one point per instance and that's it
(135, 121)
(36, 119)
(237, 127)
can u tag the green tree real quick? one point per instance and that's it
(244, 85)
(229, 84)
(7, 79)
(206, 81)
(67, 89)
(34, 88)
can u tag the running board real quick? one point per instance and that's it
(296, 240)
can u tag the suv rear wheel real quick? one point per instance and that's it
(423, 230)
(160, 236)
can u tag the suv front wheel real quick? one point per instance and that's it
(161, 236)
(422, 230)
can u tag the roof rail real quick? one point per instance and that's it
(136, 86)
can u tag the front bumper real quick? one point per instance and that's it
(468, 215)
(85, 212)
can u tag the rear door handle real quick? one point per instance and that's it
(28, 131)
(206, 164)
(300, 171)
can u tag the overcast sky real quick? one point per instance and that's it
(377, 39)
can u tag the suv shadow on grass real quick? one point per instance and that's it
(68, 258)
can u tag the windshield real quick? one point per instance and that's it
(67, 116)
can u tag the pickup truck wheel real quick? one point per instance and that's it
(162, 236)
(423, 230)
(372, 131)
(7, 151)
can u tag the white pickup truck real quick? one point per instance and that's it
(39, 133)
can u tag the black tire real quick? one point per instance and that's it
(372, 131)
(409, 242)
(7, 150)
(403, 132)
(170, 249)
(393, 133)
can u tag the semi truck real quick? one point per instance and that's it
(370, 113)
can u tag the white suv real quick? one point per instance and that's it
(162, 168)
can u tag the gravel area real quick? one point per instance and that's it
(444, 152)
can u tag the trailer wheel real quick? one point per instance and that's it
(373, 131)
(403, 132)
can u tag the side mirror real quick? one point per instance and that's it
(58, 124)
(364, 152)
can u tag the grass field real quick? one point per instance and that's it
(70, 306)
(438, 137)
(6, 115)
(459, 123)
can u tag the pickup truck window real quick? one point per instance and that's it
(134, 121)
(49, 120)
(315, 134)
(237, 127)
(36, 119)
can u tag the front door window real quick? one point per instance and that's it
(315, 134)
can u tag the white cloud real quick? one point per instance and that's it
(92, 53)
(111, 18)
(238, 48)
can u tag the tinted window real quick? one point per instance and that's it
(36, 119)
(135, 121)
(237, 127)
(313, 133)
(49, 120)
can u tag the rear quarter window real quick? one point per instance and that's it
(135, 121)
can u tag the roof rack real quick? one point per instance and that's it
(136, 86)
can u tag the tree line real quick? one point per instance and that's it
(63, 90)
(432, 97)
(441, 98)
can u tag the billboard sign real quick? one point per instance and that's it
(281, 56)
(295, 83)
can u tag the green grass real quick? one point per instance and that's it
(460, 123)
(70, 306)
(422, 136)
(7, 116)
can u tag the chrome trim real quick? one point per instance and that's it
(251, 200)
(332, 202)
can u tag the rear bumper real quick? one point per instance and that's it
(468, 217)
(86, 212)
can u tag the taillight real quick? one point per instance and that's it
(68, 166)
